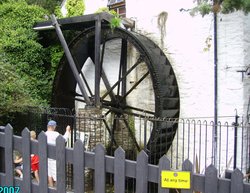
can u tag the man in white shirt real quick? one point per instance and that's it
(51, 139)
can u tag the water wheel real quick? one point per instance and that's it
(136, 80)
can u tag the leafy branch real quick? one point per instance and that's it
(115, 21)
(205, 7)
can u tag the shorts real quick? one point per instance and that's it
(34, 163)
(35, 167)
(19, 167)
(52, 168)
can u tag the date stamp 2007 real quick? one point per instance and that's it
(9, 189)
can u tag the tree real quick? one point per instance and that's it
(224, 6)
(49, 5)
(14, 96)
(75, 7)
(25, 80)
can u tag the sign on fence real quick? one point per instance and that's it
(173, 179)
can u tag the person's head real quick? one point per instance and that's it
(32, 134)
(51, 125)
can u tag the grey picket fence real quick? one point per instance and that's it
(140, 170)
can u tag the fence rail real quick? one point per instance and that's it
(224, 144)
(121, 168)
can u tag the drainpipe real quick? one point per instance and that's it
(215, 87)
(235, 139)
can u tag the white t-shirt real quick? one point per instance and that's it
(52, 135)
(51, 139)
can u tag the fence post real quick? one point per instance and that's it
(119, 172)
(215, 144)
(211, 180)
(43, 162)
(78, 167)
(26, 185)
(2, 164)
(9, 156)
(60, 164)
(187, 166)
(145, 135)
(142, 173)
(100, 175)
(235, 139)
(237, 181)
(164, 164)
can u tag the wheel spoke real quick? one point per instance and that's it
(119, 74)
(86, 83)
(122, 111)
(123, 68)
(108, 112)
(83, 77)
(122, 78)
(80, 100)
(136, 84)
(110, 132)
(140, 110)
(104, 77)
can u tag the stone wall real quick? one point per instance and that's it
(88, 122)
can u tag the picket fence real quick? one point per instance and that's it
(101, 164)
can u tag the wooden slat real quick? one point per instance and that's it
(43, 163)
(119, 173)
(122, 168)
(78, 167)
(100, 178)
(224, 185)
(17, 143)
(60, 165)
(26, 185)
(2, 179)
(188, 166)
(246, 187)
(198, 182)
(237, 181)
(9, 180)
(142, 173)
(164, 164)
(211, 180)
(2, 144)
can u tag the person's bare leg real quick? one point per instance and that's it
(36, 175)
(51, 182)
(19, 172)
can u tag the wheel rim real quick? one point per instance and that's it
(138, 81)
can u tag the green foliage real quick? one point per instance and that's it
(13, 93)
(205, 7)
(56, 53)
(58, 12)
(115, 21)
(75, 7)
(103, 9)
(49, 5)
(23, 56)
(231, 6)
